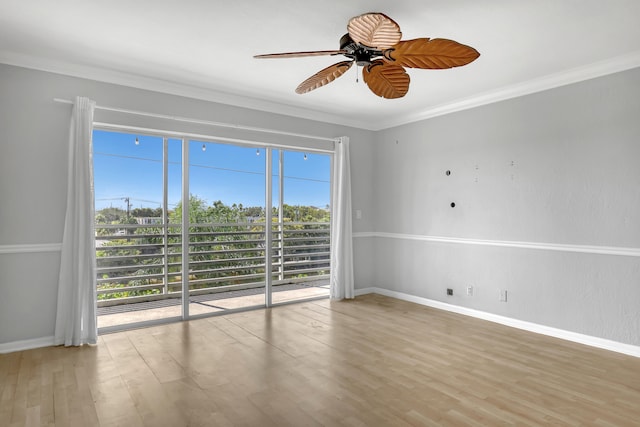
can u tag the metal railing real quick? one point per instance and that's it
(137, 263)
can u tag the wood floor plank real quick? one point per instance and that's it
(372, 361)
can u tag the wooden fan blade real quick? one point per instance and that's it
(301, 54)
(374, 30)
(324, 77)
(386, 80)
(431, 53)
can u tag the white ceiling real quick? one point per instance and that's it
(205, 48)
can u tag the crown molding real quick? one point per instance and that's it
(172, 88)
(575, 75)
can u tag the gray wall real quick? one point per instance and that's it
(33, 173)
(558, 167)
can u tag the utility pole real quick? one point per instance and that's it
(127, 201)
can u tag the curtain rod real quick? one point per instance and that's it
(202, 122)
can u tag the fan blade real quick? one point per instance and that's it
(431, 53)
(301, 54)
(374, 30)
(386, 80)
(324, 77)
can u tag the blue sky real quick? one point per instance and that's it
(230, 173)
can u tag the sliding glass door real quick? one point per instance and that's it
(226, 227)
(137, 185)
(303, 236)
(193, 227)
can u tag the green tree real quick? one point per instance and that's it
(110, 215)
(197, 211)
(147, 212)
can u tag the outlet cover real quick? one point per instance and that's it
(503, 295)
(469, 291)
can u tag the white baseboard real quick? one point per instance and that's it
(601, 343)
(10, 347)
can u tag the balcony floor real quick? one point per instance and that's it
(208, 303)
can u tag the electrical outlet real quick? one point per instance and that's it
(503, 295)
(449, 291)
(469, 291)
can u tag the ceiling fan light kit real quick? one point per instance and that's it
(374, 42)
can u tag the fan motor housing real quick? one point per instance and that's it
(363, 55)
(346, 41)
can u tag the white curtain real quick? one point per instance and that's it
(341, 282)
(76, 313)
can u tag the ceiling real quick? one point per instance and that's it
(205, 48)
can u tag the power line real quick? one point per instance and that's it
(206, 167)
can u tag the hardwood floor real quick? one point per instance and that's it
(373, 361)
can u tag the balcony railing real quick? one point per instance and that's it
(137, 263)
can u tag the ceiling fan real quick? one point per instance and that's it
(373, 42)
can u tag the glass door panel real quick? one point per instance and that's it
(226, 227)
(137, 280)
(302, 242)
